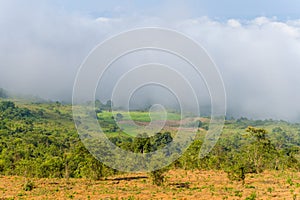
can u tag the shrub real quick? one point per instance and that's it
(28, 186)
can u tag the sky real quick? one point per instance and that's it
(255, 44)
(288, 9)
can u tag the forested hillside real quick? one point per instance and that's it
(40, 140)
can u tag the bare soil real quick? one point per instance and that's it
(180, 184)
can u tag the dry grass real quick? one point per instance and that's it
(180, 184)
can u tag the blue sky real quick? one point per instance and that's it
(217, 9)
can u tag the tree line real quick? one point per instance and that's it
(40, 140)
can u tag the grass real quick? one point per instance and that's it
(140, 116)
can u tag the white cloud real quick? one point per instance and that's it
(260, 63)
(261, 21)
(234, 23)
(42, 48)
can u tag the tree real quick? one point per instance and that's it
(200, 124)
(253, 157)
(4, 105)
(141, 143)
(3, 93)
(109, 105)
(261, 151)
(159, 140)
(158, 177)
(119, 116)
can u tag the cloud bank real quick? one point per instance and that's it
(42, 47)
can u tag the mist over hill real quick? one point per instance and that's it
(258, 58)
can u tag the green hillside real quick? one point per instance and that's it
(40, 140)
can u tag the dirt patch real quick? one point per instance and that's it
(180, 184)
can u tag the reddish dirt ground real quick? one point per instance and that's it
(180, 184)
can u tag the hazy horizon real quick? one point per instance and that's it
(257, 50)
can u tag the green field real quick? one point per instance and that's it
(140, 116)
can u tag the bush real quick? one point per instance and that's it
(251, 197)
(158, 177)
(28, 186)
